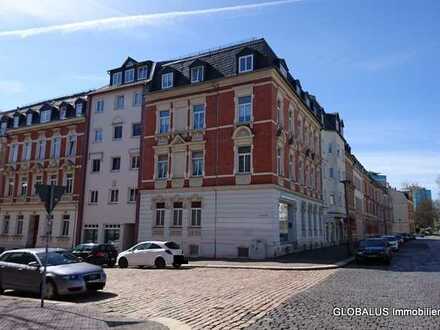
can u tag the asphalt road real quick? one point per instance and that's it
(412, 281)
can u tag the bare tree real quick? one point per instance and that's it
(426, 214)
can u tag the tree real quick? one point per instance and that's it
(426, 214)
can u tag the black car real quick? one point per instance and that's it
(98, 254)
(374, 249)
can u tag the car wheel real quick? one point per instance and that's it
(177, 266)
(51, 290)
(111, 263)
(123, 263)
(160, 263)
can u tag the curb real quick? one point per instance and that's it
(339, 264)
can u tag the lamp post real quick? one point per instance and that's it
(347, 212)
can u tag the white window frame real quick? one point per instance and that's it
(119, 105)
(29, 119)
(98, 133)
(162, 167)
(117, 78)
(65, 226)
(140, 69)
(41, 149)
(159, 220)
(247, 159)
(45, 116)
(196, 216)
(63, 113)
(68, 183)
(71, 145)
(138, 162)
(244, 107)
(113, 192)
(79, 109)
(27, 150)
(24, 186)
(129, 73)
(94, 197)
(19, 225)
(16, 122)
(137, 99)
(130, 190)
(197, 74)
(245, 61)
(122, 132)
(167, 80)
(198, 116)
(164, 120)
(198, 159)
(177, 215)
(99, 106)
(55, 148)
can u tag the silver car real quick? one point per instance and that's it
(21, 270)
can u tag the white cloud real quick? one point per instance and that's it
(122, 22)
(11, 87)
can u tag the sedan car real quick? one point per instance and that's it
(21, 270)
(152, 253)
(374, 248)
(97, 254)
(394, 242)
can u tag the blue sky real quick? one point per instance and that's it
(373, 61)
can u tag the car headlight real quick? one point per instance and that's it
(70, 277)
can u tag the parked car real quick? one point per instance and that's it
(153, 253)
(66, 274)
(374, 248)
(400, 239)
(98, 254)
(393, 240)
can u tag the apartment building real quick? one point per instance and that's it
(402, 216)
(43, 142)
(113, 158)
(333, 175)
(231, 159)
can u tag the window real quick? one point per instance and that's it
(279, 113)
(98, 135)
(137, 99)
(19, 226)
(330, 148)
(45, 116)
(69, 183)
(38, 180)
(53, 180)
(167, 80)
(119, 102)
(162, 166)
(197, 163)
(65, 226)
(142, 73)
(16, 121)
(99, 106)
(55, 150)
(246, 63)
(290, 121)
(177, 214)
(29, 119)
(71, 146)
(136, 129)
(244, 159)
(332, 199)
(129, 75)
(117, 132)
(132, 195)
(94, 196)
(164, 121)
(5, 229)
(13, 153)
(117, 78)
(90, 234)
(41, 150)
(135, 162)
(196, 214)
(79, 109)
(279, 161)
(63, 113)
(10, 190)
(197, 74)
(290, 167)
(111, 234)
(116, 163)
(114, 195)
(160, 214)
(331, 172)
(24, 186)
(244, 109)
(198, 116)
(27, 147)
(96, 165)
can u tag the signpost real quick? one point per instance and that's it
(50, 195)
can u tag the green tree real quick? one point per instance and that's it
(426, 214)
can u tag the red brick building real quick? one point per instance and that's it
(231, 160)
(43, 142)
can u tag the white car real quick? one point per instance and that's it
(152, 253)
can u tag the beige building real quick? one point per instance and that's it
(113, 156)
(401, 212)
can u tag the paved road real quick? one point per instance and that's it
(411, 281)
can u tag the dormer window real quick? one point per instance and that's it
(79, 109)
(29, 119)
(129, 75)
(142, 73)
(63, 113)
(245, 63)
(283, 71)
(16, 121)
(117, 78)
(45, 116)
(197, 74)
(167, 80)
(3, 127)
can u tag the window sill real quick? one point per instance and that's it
(113, 203)
(243, 178)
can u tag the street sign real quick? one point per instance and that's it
(43, 190)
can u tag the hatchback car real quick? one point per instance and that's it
(374, 248)
(153, 253)
(66, 275)
(98, 254)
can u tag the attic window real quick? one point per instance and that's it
(117, 78)
(129, 75)
(63, 113)
(142, 73)
(245, 63)
(45, 116)
(16, 121)
(79, 109)
(197, 74)
(283, 70)
(29, 119)
(167, 80)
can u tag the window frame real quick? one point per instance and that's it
(247, 158)
(245, 58)
(126, 72)
(168, 78)
(114, 132)
(199, 74)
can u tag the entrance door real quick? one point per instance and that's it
(34, 221)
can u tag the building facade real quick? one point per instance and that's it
(403, 218)
(42, 143)
(419, 195)
(113, 158)
(231, 160)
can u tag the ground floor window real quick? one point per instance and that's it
(19, 228)
(283, 216)
(177, 214)
(111, 234)
(65, 225)
(160, 214)
(90, 234)
(196, 214)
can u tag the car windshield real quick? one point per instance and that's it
(56, 258)
(83, 247)
(372, 243)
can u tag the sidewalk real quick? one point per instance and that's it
(19, 313)
(324, 258)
